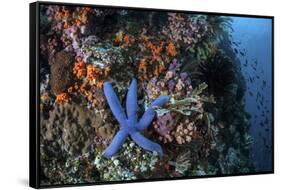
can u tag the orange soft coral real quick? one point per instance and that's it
(100, 84)
(92, 72)
(171, 49)
(83, 89)
(106, 71)
(96, 76)
(84, 15)
(69, 17)
(142, 69)
(156, 50)
(63, 98)
(79, 69)
(126, 39)
(118, 37)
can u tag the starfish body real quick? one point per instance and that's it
(130, 126)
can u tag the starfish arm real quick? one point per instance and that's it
(146, 119)
(114, 103)
(116, 143)
(160, 101)
(132, 101)
(146, 144)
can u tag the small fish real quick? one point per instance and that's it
(258, 107)
(266, 121)
(254, 68)
(236, 51)
(242, 53)
(264, 140)
(236, 44)
(251, 80)
(256, 62)
(257, 98)
(263, 83)
(251, 94)
(258, 95)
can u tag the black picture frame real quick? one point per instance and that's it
(34, 91)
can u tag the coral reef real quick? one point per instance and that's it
(186, 116)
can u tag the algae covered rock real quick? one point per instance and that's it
(132, 162)
(71, 128)
(61, 71)
(66, 145)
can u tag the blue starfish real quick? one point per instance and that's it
(129, 124)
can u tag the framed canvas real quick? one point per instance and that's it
(120, 94)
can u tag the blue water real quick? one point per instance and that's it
(254, 36)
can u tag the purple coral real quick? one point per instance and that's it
(164, 123)
(176, 84)
(186, 29)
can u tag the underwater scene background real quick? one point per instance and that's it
(130, 94)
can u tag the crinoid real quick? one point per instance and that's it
(218, 72)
